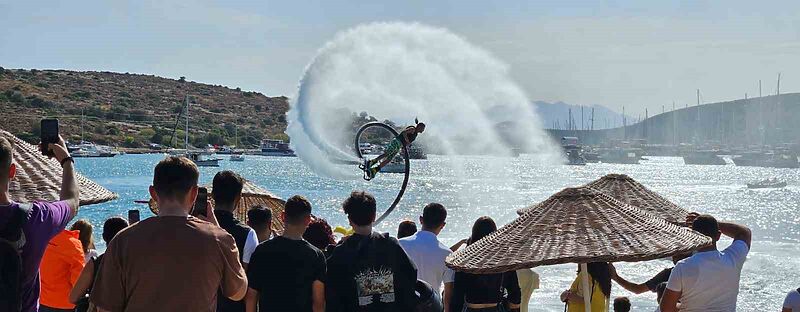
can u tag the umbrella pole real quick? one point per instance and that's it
(587, 291)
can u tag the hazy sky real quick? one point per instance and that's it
(633, 53)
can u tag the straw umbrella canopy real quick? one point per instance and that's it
(629, 191)
(252, 195)
(39, 178)
(576, 225)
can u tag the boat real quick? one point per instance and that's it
(768, 159)
(768, 183)
(396, 166)
(573, 151)
(196, 156)
(200, 160)
(621, 156)
(276, 148)
(575, 158)
(237, 157)
(89, 149)
(707, 157)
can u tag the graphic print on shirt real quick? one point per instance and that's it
(371, 283)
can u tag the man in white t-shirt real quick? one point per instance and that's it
(428, 253)
(792, 301)
(709, 279)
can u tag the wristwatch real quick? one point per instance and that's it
(68, 159)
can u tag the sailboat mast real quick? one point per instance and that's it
(186, 135)
(81, 126)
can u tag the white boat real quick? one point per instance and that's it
(200, 160)
(237, 157)
(396, 166)
(89, 149)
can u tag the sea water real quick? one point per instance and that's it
(498, 186)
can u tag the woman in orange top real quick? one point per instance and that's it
(61, 265)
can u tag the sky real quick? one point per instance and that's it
(636, 54)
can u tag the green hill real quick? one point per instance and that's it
(133, 110)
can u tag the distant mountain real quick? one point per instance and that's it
(556, 115)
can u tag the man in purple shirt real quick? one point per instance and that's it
(44, 220)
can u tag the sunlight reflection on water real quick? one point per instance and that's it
(499, 186)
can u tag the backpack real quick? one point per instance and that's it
(12, 239)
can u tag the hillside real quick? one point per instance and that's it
(133, 110)
(555, 115)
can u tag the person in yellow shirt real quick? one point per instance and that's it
(600, 289)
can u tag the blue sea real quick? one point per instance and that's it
(497, 187)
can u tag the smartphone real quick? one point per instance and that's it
(49, 134)
(201, 202)
(133, 216)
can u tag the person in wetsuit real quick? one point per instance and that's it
(405, 138)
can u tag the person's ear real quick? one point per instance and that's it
(283, 218)
(153, 193)
(420, 221)
(191, 197)
(12, 171)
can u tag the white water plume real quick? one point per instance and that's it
(399, 71)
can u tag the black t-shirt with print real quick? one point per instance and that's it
(282, 271)
(370, 273)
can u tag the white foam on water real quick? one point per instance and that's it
(399, 71)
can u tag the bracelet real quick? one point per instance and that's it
(65, 160)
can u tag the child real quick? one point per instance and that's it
(622, 304)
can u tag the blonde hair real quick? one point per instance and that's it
(85, 236)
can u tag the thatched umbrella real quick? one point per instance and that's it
(39, 177)
(629, 191)
(576, 225)
(252, 195)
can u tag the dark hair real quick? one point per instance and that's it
(481, 228)
(360, 208)
(296, 209)
(174, 177)
(85, 234)
(10, 277)
(6, 156)
(259, 216)
(433, 215)
(226, 187)
(622, 304)
(602, 275)
(406, 229)
(706, 225)
(112, 226)
(418, 126)
(319, 234)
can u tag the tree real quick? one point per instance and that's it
(183, 79)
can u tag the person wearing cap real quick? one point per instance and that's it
(709, 279)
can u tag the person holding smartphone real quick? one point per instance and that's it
(181, 272)
(30, 226)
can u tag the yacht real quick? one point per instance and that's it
(769, 159)
(89, 149)
(276, 148)
(709, 157)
